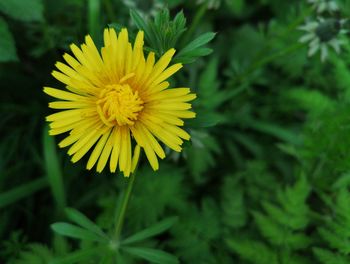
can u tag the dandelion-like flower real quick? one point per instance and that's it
(324, 5)
(117, 101)
(323, 34)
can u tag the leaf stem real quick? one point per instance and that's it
(124, 205)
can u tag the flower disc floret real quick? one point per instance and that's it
(119, 105)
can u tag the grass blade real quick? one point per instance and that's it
(53, 170)
(22, 191)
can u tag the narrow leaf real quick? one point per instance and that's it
(142, 25)
(77, 256)
(80, 219)
(73, 231)
(277, 131)
(198, 42)
(152, 255)
(151, 231)
(53, 169)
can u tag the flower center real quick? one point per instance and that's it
(328, 29)
(118, 104)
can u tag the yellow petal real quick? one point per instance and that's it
(59, 94)
(64, 114)
(170, 140)
(176, 131)
(151, 156)
(66, 121)
(90, 132)
(85, 148)
(71, 61)
(80, 56)
(97, 151)
(153, 142)
(61, 77)
(169, 106)
(68, 105)
(135, 158)
(105, 153)
(123, 149)
(167, 73)
(173, 120)
(115, 151)
(162, 63)
(158, 93)
(180, 114)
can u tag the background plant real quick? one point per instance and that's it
(265, 178)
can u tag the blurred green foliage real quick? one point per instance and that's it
(264, 180)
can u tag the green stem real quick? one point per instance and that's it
(264, 61)
(93, 17)
(197, 18)
(124, 205)
(265, 49)
(109, 11)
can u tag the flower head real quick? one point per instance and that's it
(117, 101)
(322, 34)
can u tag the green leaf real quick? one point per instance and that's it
(73, 231)
(142, 25)
(152, 255)
(329, 257)
(53, 169)
(234, 211)
(22, 191)
(83, 221)
(77, 256)
(7, 43)
(151, 231)
(253, 251)
(279, 235)
(313, 101)
(27, 11)
(336, 241)
(161, 33)
(191, 48)
(202, 153)
(276, 131)
(342, 181)
(34, 254)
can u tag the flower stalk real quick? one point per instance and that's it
(125, 201)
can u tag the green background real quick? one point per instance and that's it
(264, 179)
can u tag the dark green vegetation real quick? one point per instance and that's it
(265, 179)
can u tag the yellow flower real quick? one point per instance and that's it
(116, 100)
